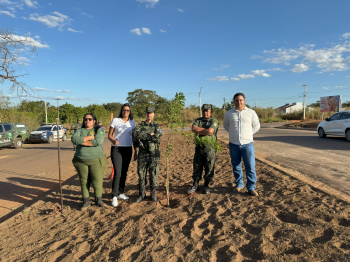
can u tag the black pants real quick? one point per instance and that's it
(121, 157)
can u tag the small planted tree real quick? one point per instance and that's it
(174, 121)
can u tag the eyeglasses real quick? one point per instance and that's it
(88, 119)
(126, 110)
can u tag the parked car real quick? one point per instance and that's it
(336, 125)
(13, 134)
(47, 133)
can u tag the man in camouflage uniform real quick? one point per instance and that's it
(148, 133)
(204, 156)
(75, 127)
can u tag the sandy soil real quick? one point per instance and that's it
(289, 221)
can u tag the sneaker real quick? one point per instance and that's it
(253, 193)
(122, 197)
(237, 189)
(114, 201)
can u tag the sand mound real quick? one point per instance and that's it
(289, 221)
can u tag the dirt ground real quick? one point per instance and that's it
(289, 221)
(303, 124)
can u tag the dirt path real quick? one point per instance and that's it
(289, 221)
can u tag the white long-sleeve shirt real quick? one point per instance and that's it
(241, 125)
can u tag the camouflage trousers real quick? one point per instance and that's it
(148, 161)
(203, 157)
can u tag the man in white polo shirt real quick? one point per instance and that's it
(242, 122)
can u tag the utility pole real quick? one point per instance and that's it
(256, 103)
(224, 105)
(304, 102)
(45, 113)
(200, 102)
(58, 109)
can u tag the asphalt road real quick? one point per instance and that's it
(323, 159)
(29, 172)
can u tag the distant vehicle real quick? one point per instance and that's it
(13, 134)
(47, 133)
(337, 125)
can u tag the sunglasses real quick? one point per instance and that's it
(126, 110)
(88, 119)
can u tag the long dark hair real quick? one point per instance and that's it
(96, 126)
(131, 116)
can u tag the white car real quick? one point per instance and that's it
(337, 125)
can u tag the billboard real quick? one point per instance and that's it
(330, 104)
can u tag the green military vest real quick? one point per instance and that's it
(207, 123)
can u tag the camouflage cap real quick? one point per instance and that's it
(150, 109)
(206, 106)
(78, 119)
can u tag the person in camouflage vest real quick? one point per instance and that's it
(148, 134)
(204, 156)
(75, 127)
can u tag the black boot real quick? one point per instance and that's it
(99, 202)
(206, 189)
(194, 188)
(86, 203)
(153, 194)
(142, 195)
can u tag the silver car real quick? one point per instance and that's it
(337, 125)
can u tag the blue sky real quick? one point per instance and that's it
(98, 51)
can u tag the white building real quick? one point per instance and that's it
(289, 108)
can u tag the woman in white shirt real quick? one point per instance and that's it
(120, 134)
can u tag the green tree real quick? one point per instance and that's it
(113, 108)
(173, 118)
(346, 104)
(139, 99)
(317, 104)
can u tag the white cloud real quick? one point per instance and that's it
(136, 31)
(40, 89)
(85, 14)
(163, 31)
(326, 87)
(346, 35)
(235, 79)
(276, 69)
(180, 10)
(74, 31)
(146, 31)
(38, 37)
(149, 3)
(260, 73)
(298, 68)
(7, 13)
(327, 59)
(30, 3)
(221, 67)
(218, 78)
(243, 76)
(28, 41)
(56, 20)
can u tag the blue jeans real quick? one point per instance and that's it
(247, 152)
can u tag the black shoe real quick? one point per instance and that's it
(142, 195)
(86, 203)
(206, 189)
(194, 188)
(140, 199)
(153, 194)
(99, 202)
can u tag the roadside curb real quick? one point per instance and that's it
(297, 128)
